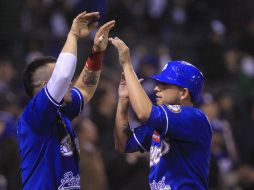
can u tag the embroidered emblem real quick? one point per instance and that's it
(157, 152)
(66, 146)
(174, 108)
(69, 181)
(160, 185)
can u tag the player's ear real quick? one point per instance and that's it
(184, 93)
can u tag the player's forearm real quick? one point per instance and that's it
(87, 83)
(70, 45)
(121, 131)
(89, 77)
(140, 102)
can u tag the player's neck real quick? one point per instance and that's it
(186, 103)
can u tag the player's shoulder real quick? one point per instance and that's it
(180, 108)
(187, 111)
(35, 104)
(187, 115)
(35, 99)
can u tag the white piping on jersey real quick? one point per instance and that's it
(167, 120)
(138, 142)
(49, 97)
(208, 122)
(80, 105)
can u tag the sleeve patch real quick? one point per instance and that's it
(174, 108)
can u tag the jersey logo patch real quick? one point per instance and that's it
(174, 108)
(156, 137)
(66, 146)
(69, 181)
(156, 152)
(160, 185)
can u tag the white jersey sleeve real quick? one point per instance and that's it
(62, 75)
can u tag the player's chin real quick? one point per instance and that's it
(158, 101)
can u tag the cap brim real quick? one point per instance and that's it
(162, 79)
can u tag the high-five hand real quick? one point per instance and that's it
(82, 26)
(122, 88)
(101, 36)
(123, 50)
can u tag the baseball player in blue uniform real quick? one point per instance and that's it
(48, 144)
(177, 134)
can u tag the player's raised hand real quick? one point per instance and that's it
(122, 89)
(101, 36)
(123, 50)
(82, 26)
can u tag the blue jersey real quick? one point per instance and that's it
(179, 140)
(48, 144)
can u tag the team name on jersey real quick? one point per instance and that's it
(160, 185)
(156, 152)
(69, 181)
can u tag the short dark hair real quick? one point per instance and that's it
(31, 68)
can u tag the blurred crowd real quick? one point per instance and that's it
(217, 36)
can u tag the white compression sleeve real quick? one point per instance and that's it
(61, 77)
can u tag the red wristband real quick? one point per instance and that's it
(94, 61)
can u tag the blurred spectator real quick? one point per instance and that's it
(92, 169)
(122, 172)
(103, 107)
(223, 151)
(147, 66)
(35, 18)
(229, 108)
(58, 24)
(9, 108)
(102, 113)
(244, 132)
(33, 51)
(9, 157)
(246, 76)
(10, 32)
(7, 74)
(139, 52)
(246, 41)
(246, 176)
(156, 8)
(231, 59)
(211, 53)
(164, 55)
(179, 12)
